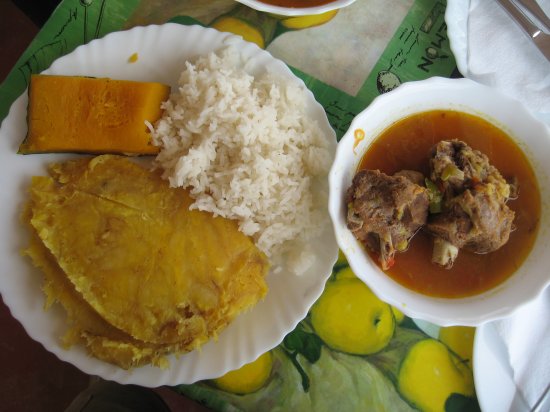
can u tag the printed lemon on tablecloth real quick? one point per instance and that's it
(430, 374)
(248, 378)
(350, 318)
(311, 20)
(250, 24)
(345, 273)
(342, 260)
(263, 28)
(397, 314)
(460, 339)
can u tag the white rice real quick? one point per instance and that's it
(247, 150)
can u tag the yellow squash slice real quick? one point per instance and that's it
(91, 115)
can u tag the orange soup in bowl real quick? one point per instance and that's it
(407, 145)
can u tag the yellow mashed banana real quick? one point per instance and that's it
(139, 274)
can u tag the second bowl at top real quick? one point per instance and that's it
(489, 285)
(296, 7)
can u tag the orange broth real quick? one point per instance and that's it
(406, 145)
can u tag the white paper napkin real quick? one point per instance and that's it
(526, 335)
(501, 55)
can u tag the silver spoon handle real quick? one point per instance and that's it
(533, 7)
(520, 17)
(543, 404)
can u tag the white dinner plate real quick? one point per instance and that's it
(161, 53)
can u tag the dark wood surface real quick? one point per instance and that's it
(31, 378)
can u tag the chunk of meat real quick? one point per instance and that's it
(384, 212)
(456, 167)
(412, 175)
(474, 213)
(474, 220)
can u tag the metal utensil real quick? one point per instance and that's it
(543, 404)
(533, 7)
(541, 39)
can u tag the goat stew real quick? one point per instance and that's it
(406, 145)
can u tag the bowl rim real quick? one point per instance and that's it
(296, 11)
(467, 311)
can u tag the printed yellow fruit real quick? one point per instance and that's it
(430, 373)
(350, 318)
(302, 22)
(398, 315)
(460, 339)
(345, 273)
(236, 26)
(248, 378)
(342, 260)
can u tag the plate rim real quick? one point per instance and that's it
(284, 326)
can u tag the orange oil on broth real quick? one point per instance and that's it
(406, 145)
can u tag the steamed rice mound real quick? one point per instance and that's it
(246, 148)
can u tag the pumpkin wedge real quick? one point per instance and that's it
(91, 115)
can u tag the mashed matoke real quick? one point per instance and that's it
(139, 274)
